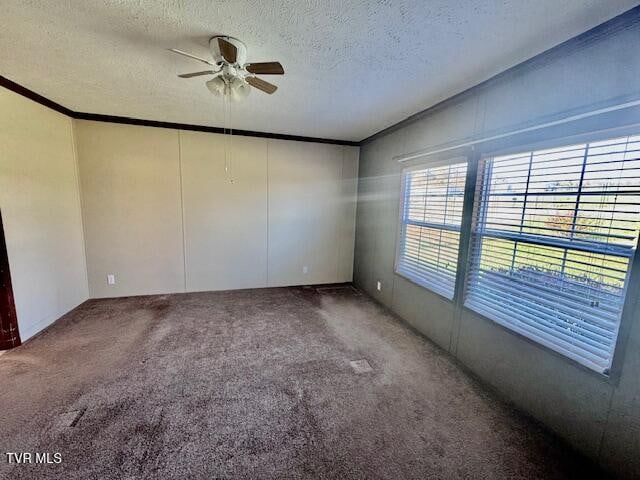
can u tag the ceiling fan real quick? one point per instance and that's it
(232, 75)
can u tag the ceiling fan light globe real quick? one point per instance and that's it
(239, 89)
(216, 86)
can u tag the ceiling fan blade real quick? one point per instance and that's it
(265, 68)
(196, 74)
(228, 50)
(180, 52)
(261, 84)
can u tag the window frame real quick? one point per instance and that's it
(551, 137)
(421, 164)
(631, 302)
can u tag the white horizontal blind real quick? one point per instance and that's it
(553, 238)
(430, 234)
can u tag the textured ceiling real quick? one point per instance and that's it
(353, 67)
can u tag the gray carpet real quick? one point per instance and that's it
(257, 384)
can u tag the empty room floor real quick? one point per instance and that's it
(258, 384)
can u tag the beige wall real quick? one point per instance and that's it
(130, 184)
(163, 215)
(225, 214)
(155, 207)
(311, 213)
(40, 206)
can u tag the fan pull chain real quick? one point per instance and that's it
(228, 136)
(230, 166)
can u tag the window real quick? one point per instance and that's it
(432, 200)
(554, 234)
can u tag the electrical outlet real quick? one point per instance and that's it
(305, 269)
(379, 285)
(111, 279)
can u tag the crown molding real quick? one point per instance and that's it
(619, 23)
(36, 97)
(96, 117)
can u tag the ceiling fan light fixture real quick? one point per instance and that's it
(234, 76)
(238, 89)
(217, 86)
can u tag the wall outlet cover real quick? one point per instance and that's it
(111, 279)
(379, 285)
(305, 269)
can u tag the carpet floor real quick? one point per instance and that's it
(258, 384)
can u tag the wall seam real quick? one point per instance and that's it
(605, 426)
(341, 216)
(356, 189)
(76, 171)
(184, 237)
(396, 241)
(268, 282)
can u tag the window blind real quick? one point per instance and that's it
(432, 202)
(553, 238)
